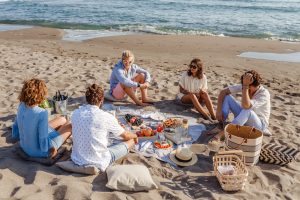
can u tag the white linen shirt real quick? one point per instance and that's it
(90, 129)
(260, 103)
(192, 84)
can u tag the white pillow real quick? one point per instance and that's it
(129, 178)
(70, 166)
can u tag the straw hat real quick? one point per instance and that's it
(183, 157)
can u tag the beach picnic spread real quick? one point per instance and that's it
(159, 133)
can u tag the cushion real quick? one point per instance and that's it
(129, 178)
(109, 97)
(70, 166)
(277, 154)
(44, 161)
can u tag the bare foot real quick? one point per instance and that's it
(52, 152)
(149, 101)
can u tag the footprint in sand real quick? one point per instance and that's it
(60, 192)
(279, 117)
(176, 83)
(290, 103)
(279, 98)
(167, 195)
(54, 181)
(294, 94)
(164, 90)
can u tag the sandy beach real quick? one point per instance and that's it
(71, 66)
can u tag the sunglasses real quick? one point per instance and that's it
(193, 66)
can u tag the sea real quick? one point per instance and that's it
(264, 19)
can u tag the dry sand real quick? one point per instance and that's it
(71, 66)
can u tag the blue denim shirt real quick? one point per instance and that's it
(118, 75)
(31, 128)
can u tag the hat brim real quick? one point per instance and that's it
(183, 164)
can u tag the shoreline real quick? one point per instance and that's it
(86, 34)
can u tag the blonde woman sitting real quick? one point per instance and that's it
(126, 77)
(193, 89)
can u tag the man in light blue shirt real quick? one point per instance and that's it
(126, 77)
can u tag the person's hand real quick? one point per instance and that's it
(247, 79)
(144, 85)
(219, 116)
(136, 140)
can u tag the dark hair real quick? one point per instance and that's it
(34, 92)
(257, 80)
(199, 64)
(94, 94)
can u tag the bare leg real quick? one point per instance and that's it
(65, 132)
(140, 78)
(208, 103)
(129, 91)
(57, 122)
(130, 143)
(192, 98)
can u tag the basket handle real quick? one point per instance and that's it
(230, 152)
(237, 152)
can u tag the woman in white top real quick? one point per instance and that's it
(193, 89)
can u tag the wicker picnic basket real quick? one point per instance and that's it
(236, 159)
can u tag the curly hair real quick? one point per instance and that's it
(34, 92)
(257, 80)
(94, 94)
(199, 64)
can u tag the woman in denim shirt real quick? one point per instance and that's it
(126, 77)
(38, 138)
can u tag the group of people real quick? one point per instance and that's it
(91, 125)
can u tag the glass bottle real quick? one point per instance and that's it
(185, 127)
(160, 133)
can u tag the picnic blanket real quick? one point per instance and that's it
(145, 147)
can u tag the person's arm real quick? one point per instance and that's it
(119, 73)
(128, 136)
(247, 80)
(182, 84)
(221, 97)
(145, 72)
(43, 132)
(182, 90)
(205, 87)
(117, 130)
(15, 130)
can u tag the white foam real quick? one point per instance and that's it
(284, 57)
(81, 35)
(8, 27)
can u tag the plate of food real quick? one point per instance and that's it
(133, 120)
(165, 144)
(146, 132)
(172, 122)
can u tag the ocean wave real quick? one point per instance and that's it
(150, 29)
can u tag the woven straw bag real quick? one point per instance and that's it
(236, 159)
(245, 138)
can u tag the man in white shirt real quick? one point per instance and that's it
(255, 106)
(91, 126)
